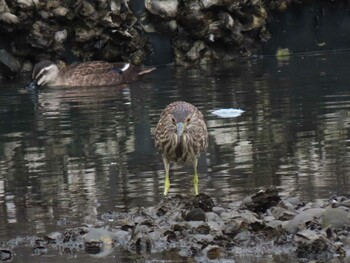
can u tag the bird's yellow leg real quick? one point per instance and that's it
(166, 180)
(195, 177)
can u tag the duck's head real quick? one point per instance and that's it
(44, 73)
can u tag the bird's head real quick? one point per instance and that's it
(181, 119)
(44, 73)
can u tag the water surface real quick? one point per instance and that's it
(69, 154)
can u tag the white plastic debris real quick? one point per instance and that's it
(228, 113)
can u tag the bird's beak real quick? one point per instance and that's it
(180, 126)
(32, 85)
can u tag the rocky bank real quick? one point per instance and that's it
(264, 223)
(65, 31)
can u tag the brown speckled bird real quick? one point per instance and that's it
(93, 73)
(181, 136)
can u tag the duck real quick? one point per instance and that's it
(92, 73)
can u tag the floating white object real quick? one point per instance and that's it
(228, 113)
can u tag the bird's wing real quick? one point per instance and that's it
(93, 68)
(93, 73)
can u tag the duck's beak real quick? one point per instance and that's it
(32, 85)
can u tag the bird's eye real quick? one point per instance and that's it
(188, 119)
(173, 120)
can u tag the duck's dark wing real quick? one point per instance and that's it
(94, 73)
(100, 73)
(92, 68)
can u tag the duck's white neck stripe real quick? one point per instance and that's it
(126, 66)
(43, 71)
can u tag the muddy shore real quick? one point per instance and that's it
(264, 223)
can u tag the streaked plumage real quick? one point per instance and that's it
(181, 136)
(94, 73)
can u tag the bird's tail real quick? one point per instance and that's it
(146, 71)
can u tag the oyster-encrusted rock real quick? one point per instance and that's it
(162, 8)
(6, 16)
(60, 11)
(96, 30)
(336, 217)
(61, 36)
(8, 63)
(225, 232)
(208, 30)
(27, 3)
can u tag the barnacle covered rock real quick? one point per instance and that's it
(162, 8)
(209, 30)
(6, 17)
(336, 217)
(214, 232)
(88, 30)
(8, 63)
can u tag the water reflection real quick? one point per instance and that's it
(69, 154)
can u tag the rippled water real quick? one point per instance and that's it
(68, 155)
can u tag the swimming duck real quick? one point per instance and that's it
(93, 73)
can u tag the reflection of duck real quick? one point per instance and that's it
(94, 73)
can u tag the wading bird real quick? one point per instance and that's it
(181, 136)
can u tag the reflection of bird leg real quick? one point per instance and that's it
(166, 180)
(195, 177)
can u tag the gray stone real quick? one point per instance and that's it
(8, 64)
(335, 217)
(27, 3)
(61, 36)
(9, 18)
(163, 8)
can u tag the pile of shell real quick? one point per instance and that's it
(209, 30)
(263, 224)
(59, 30)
